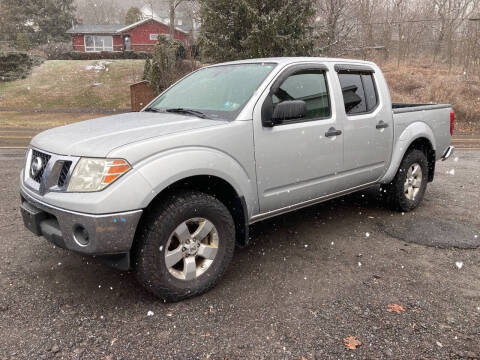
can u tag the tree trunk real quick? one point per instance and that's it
(172, 19)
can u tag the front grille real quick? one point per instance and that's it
(37, 174)
(63, 173)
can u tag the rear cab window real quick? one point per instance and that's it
(359, 89)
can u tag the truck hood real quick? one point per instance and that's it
(97, 137)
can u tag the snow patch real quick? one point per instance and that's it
(101, 65)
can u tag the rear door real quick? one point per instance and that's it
(297, 160)
(366, 124)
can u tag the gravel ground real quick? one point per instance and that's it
(308, 280)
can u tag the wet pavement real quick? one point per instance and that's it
(308, 280)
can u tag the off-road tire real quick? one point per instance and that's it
(396, 197)
(161, 221)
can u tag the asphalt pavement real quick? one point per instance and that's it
(308, 280)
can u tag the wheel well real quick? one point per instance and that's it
(423, 144)
(219, 189)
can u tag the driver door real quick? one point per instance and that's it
(297, 160)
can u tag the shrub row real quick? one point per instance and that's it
(104, 55)
(17, 65)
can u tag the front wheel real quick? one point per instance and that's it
(407, 189)
(185, 246)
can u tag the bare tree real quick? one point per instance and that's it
(171, 7)
(333, 25)
(100, 12)
(452, 15)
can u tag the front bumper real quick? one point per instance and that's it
(105, 234)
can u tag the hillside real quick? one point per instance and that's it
(425, 84)
(104, 85)
(70, 84)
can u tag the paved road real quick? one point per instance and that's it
(307, 281)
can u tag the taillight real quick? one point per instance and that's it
(452, 122)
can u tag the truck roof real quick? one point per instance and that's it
(291, 60)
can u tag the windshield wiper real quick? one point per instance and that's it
(151, 109)
(188, 111)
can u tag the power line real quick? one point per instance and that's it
(396, 22)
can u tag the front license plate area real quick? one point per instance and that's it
(32, 217)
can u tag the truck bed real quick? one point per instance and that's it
(436, 117)
(399, 108)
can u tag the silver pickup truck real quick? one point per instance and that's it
(171, 190)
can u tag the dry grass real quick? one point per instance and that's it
(422, 84)
(64, 84)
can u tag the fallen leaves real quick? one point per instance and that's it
(351, 342)
(395, 308)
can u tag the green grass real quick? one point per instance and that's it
(66, 84)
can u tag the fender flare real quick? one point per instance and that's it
(166, 168)
(412, 132)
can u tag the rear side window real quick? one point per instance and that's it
(370, 91)
(359, 92)
(309, 86)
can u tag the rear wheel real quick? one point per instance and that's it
(407, 189)
(185, 246)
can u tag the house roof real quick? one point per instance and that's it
(95, 29)
(128, 27)
(112, 29)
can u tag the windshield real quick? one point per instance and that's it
(219, 92)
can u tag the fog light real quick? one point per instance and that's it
(80, 235)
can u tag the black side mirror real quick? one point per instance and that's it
(267, 112)
(288, 110)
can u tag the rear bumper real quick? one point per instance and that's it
(449, 152)
(89, 234)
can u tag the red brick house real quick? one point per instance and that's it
(140, 36)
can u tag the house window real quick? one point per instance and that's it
(154, 37)
(95, 43)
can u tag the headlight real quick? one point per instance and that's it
(96, 174)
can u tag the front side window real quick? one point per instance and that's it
(98, 43)
(359, 93)
(309, 86)
(218, 91)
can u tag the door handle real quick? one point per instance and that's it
(333, 132)
(382, 125)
